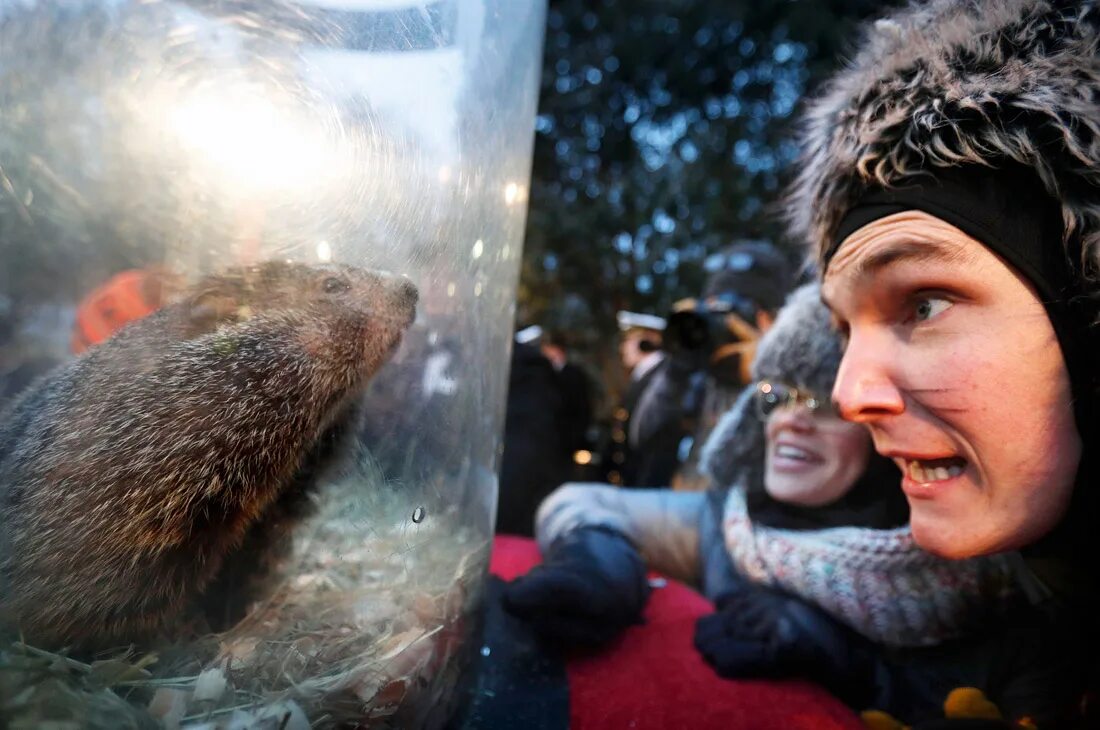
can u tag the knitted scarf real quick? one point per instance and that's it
(876, 581)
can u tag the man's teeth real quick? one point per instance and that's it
(792, 452)
(923, 473)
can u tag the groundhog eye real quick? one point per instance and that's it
(335, 285)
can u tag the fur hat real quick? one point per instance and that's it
(801, 349)
(950, 83)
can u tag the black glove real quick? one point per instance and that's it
(760, 632)
(590, 586)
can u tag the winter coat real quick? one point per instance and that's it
(653, 429)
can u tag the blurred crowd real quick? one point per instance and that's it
(682, 370)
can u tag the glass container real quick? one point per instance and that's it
(259, 264)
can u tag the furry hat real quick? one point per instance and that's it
(800, 349)
(949, 83)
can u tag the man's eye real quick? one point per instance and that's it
(930, 307)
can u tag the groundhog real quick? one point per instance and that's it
(128, 475)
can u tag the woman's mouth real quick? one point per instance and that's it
(791, 457)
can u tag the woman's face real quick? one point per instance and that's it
(953, 365)
(812, 458)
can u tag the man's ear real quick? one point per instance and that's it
(764, 320)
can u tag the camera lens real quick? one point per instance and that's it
(687, 332)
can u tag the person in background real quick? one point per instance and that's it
(127, 296)
(632, 460)
(576, 392)
(534, 460)
(709, 344)
(639, 343)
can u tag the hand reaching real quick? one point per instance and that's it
(590, 587)
(760, 632)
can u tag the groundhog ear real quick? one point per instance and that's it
(210, 308)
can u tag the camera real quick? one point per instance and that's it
(713, 333)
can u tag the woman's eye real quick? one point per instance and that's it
(930, 307)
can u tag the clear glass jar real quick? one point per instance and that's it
(256, 299)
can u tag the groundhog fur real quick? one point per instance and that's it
(129, 475)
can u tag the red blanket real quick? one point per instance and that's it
(652, 678)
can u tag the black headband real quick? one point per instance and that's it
(1008, 210)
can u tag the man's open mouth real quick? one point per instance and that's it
(925, 471)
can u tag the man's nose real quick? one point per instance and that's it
(865, 389)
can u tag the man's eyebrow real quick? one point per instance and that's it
(910, 252)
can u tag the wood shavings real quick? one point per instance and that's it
(360, 627)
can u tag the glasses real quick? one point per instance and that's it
(771, 396)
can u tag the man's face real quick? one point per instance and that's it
(630, 348)
(954, 366)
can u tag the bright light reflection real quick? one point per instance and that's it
(479, 248)
(324, 252)
(515, 193)
(451, 289)
(249, 140)
(477, 289)
(444, 174)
